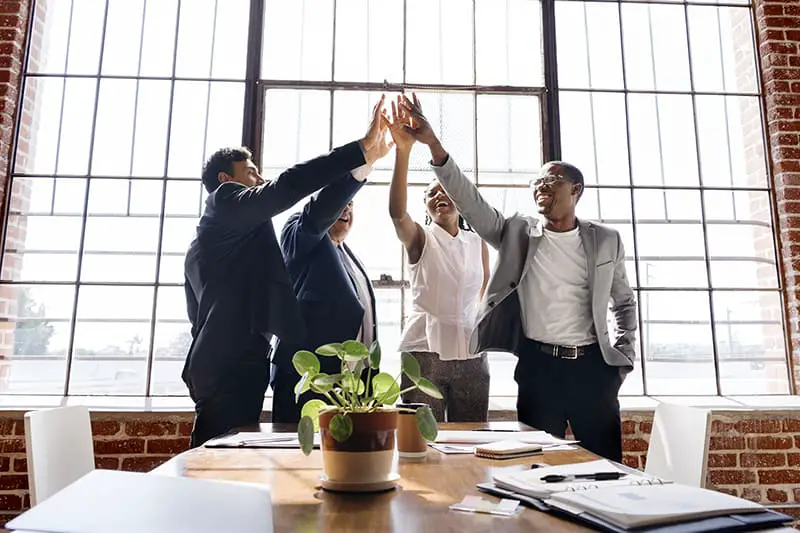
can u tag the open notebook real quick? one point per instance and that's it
(507, 449)
(529, 482)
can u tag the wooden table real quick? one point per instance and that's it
(420, 503)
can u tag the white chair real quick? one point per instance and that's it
(59, 447)
(678, 447)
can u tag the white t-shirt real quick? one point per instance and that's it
(445, 288)
(554, 294)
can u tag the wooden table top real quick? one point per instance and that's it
(420, 503)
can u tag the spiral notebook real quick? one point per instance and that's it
(529, 482)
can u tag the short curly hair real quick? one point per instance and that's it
(222, 161)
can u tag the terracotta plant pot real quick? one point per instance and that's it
(367, 455)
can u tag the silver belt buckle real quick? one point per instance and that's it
(572, 352)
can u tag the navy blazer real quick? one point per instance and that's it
(237, 287)
(328, 300)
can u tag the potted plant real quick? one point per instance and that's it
(356, 421)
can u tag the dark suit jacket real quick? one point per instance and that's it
(237, 287)
(328, 300)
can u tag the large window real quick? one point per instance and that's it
(658, 104)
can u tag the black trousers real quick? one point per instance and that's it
(582, 392)
(237, 401)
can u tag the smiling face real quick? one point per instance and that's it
(555, 193)
(341, 227)
(439, 205)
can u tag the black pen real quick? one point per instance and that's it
(597, 476)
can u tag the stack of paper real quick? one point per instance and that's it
(507, 449)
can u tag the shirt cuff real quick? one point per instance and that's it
(446, 159)
(361, 173)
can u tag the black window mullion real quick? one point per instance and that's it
(251, 127)
(552, 144)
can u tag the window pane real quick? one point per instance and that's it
(439, 42)
(369, 41)
(35, 338)
(83, 56)
(296, 128)
(229, 58)
(663, 150)
(158, 44)
(116, 108)
(352, 113)
(51, 18)
(172, 341)
(123, 37)
(196, 39)
(750, 342)
(594, 136)
(509, 139)
(152, 123)
(298, 39)
(37, 151)
(112, 336)
(656, 53)
(722, 49)
(76, 126)
(676, 332)
(589, 53)
(509, 47)
(41, 248)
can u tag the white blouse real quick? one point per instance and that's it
(445, 288)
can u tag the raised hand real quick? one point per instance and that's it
(401, 118)
(419, 126)
(374, 143)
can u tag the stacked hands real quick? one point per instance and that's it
(406, 126)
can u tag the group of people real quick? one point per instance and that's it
(546, 299)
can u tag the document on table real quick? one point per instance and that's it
(258, 440)
(484, 437)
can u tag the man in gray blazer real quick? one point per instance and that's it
(548, 299)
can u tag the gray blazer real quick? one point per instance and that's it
(516, 238)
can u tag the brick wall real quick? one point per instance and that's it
(778, 26)
(755, 455)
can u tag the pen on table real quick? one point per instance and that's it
(597, 476)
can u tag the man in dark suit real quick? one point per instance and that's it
(238, 292)
(332, 288)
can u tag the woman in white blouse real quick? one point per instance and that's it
(449, 269)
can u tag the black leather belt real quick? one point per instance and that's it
(564, 352)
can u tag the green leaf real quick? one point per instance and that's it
(355, 349)
(429, 388)
(311, 410)
(375, 355)
(302, 386)
(305, 434)
(341, 427)
(354, 385)
(426, 423)
(385, 388)
(325, 379)
(410, 367)
(331, 350)
(305, 362)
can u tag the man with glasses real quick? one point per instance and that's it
(548, 299)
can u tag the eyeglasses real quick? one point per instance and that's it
(546, 180)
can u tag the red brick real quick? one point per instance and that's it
(793, 459)
(13, 482)
(10, 7)
(777, 496)
(167, 446)
(731, 477)
(631, 460)
(732, 492)
(12, 446)
(104, 447)
(185, 429)
(628, 427)
(10, 502)
(20, 464)
(143, 463)
(718, 426)
(769, 443)
(752, 494)
(796, 494)
(726, 443)
(770, 10)
(762, 459)
(781, 22)
(721, 460)
(105, 427)
(778, 477)
(634, 445)
(646, 427)
(107, 462)
(5, 464)
(758, 426)
(150, 429)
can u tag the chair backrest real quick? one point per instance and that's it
(59, 447)
(679, 444)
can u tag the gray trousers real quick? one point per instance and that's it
(463, 383)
